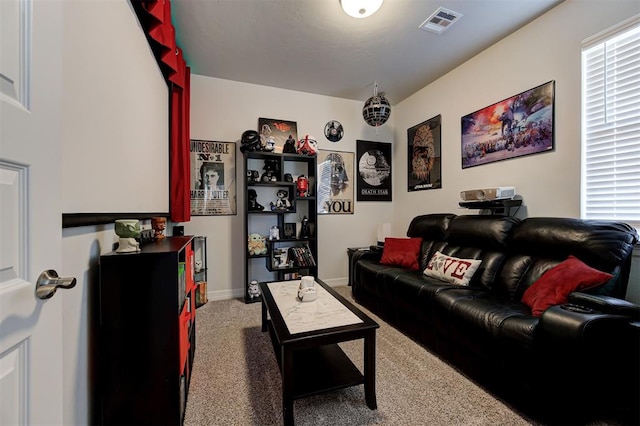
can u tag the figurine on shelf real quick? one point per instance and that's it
(158, 224)
(256, 244)
(282, 203)
(253, 176)
(289, 146)
(274, 233)
(271, 169)
(304, 228)
(268, 176)
(254, 206)
(288, 177)
(270, 144)
(254, 290)
(127, 230)
(302, 185)
(307, 146)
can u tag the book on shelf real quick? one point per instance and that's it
(302, 256)
(291, 275)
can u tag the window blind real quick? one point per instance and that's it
(611, 127)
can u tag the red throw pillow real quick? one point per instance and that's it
(555, 285)
(401, 252)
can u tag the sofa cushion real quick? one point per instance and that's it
(452, 269)
(401, 252)
(555, 285)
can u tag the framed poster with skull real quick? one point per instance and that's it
(425, 165)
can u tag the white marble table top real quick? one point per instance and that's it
(324, 312)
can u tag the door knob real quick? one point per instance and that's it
(49, 281)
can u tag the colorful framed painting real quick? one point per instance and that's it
(374, 171)
(514, 127)
(277, 132)
(335, 182)
(424, 155)
(213, 178)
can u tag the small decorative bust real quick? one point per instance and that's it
(158, 224)
(127, 230)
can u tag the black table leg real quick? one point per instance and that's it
(264, 315)
(287, 385)
(370, 370)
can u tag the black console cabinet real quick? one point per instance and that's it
(145, 334)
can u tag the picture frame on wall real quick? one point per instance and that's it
(514, 127)
(424, 164)
(335, 182)
(213, 178)
(374, 171)
(278, 130)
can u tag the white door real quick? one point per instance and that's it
(30, 212)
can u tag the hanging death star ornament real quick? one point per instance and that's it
(377, 109)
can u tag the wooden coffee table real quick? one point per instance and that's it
(305, 337)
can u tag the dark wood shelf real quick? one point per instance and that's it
(145, 334)
(260, 221)
(497, 207)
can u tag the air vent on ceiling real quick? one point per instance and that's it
(440, 20)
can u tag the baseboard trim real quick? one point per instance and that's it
(238, 293)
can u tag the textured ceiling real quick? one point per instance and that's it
(312, 46)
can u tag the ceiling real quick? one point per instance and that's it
(313, 46)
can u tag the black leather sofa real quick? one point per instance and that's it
(577, 359)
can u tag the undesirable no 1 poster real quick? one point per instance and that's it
(374, 171)
(213, 178)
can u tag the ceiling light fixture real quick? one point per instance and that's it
(360, 8)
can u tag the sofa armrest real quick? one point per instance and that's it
(376, 249)
(576, 322)
(605, 304)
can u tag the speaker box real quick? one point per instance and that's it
(488, 194)
(178, 230)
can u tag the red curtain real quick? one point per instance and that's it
(155, 18)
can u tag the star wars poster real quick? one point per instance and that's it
(374, 171)
(213, 178)
(274, 133)
(335, 182)
(425, 166)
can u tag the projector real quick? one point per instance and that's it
(489, 194)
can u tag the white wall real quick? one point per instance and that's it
(115, 125)
(548, 48)
(221, 110)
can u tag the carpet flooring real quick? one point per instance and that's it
(236, 381)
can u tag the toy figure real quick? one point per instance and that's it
(307, 146)
(272, 170)
(158, 224)
(253, 176)
(274, 233)
(302, 185)
(282, 202)
(288, 177)
(254, 290)
(270, 144)
(254, 206)
(304, 229)
(256, 244)
(289, 146)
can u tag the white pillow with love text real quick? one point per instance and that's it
(452, 269)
